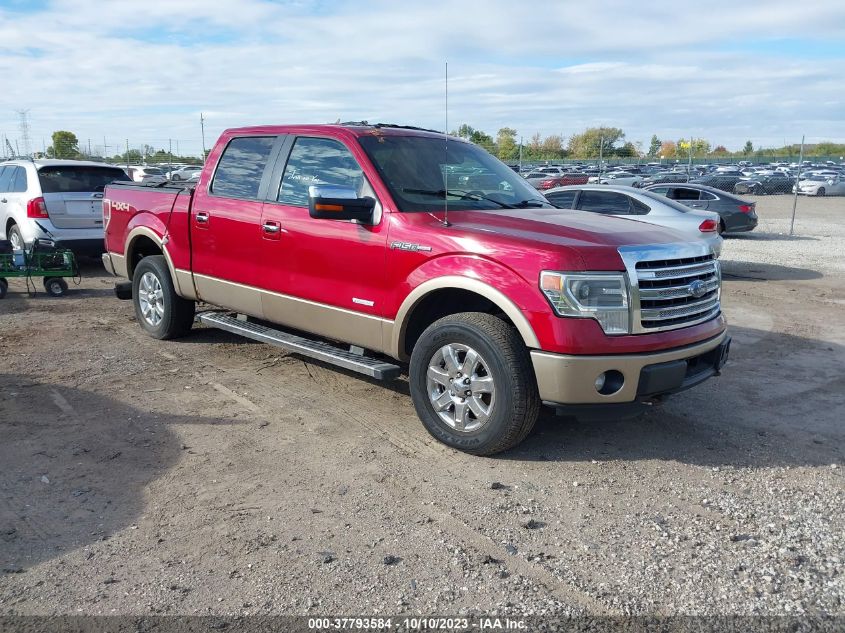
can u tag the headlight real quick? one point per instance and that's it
(599, 296)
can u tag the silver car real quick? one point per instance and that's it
(821, 185)
(56, 199)
(641, 205)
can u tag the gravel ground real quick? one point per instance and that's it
(217, 476)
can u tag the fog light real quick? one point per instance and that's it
(600, 381)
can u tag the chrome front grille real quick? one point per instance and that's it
(672, 286)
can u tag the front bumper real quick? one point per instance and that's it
(565, 379)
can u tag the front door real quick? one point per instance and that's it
(324, 276)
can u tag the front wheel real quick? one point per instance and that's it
(160, 311)
(820, 192)
(473, 384)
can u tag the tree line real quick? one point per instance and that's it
(66, 145)
(610, 142)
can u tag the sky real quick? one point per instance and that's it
(728, 71)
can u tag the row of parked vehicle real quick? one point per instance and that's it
(742, 178)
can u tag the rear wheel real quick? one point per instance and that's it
(820, 192)
(160, 311)
(472, 383)
(175, 177)
(55, 286)
(15, 237)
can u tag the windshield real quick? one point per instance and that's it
(73, 178)
(416, 172)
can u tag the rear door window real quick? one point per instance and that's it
(608, 202)
(242, 166)
(77, 178)
(318, 161)
(683, 193)
(562, 199)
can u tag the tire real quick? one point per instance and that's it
(502, 364)
(55, 286)
(175, 177)
(160, 311)
(15, 237)
(721, 227)
(820, 192)
(4, 287)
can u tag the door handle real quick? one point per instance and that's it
(271, 227)
(4, 200)
(202, 218)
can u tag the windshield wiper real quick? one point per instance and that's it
(465, 195)
(530, 202)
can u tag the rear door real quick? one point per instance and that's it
(225, 221)
(73, 194)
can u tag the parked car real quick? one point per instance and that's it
(145, 174)
(55, 199)
(736, 214)
(641, 205)
(762, 184)
(819, 185)
(186, 173)
(664, 176)
(724, 181)
(621, 178)
(497, 301)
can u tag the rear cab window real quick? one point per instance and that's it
(77, 178)
(18, 183)
(6, 173)
(241, 167)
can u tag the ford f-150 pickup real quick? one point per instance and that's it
(384, 249)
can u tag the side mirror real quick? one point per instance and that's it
(330, 202)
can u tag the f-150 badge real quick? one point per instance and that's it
(409, 246)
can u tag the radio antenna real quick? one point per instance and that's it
(446, 151)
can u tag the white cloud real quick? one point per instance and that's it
(144, 72)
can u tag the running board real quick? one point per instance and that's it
(319, 350)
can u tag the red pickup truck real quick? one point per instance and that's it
(351, 244)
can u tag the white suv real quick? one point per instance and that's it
(56, 199)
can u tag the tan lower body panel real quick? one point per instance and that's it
(317, 318)
(571, 379)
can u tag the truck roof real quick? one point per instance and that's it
(356, 128)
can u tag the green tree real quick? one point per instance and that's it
(506, 144)
(552, 147)
(654, 147)
(749, 147)
(595, 140)
(65, 145)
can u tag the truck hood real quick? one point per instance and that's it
(591, 237)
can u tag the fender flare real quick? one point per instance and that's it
(183, 283)
(396, 344)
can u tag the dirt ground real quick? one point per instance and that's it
(213, 475)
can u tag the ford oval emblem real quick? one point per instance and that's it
(697, 289)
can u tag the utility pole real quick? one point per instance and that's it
(601, 156)
(89, 148)
(169, 157)
(797, 180)
(127, 154)
(520, 154)
(202, 127)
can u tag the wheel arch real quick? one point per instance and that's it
(141, 242)
(424, 305)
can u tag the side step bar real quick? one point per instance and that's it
(319, 350)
